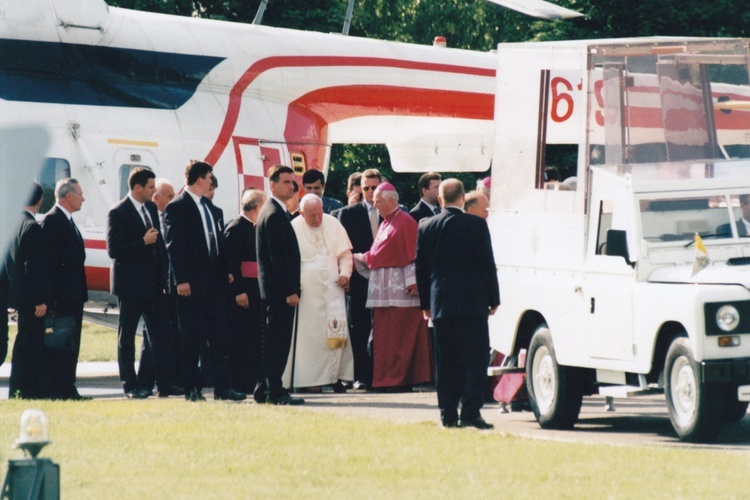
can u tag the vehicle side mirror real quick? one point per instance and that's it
(617, 245)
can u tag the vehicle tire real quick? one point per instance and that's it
(697, 411)
(554, 392)
(734, 410)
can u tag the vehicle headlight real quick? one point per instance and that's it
(727, 318)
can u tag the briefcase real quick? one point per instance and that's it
(58, 332)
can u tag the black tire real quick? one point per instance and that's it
(697, 411)
(555, 393)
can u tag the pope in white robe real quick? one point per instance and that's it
(321, 353)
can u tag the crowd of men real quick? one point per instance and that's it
(291, 296)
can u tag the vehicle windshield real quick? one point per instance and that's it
(680, 219)
(669, 102)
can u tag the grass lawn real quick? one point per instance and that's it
(98, 343)
(173, 449)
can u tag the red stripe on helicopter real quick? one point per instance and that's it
(260, 67)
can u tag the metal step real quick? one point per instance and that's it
(494, 371)
(627, 391)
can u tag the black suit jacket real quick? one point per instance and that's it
(138, 270)
(239, 237)
(356, 220)
(187, 246)
(455, 266)
(278, 253)
(67, 255)
(421, 211)
(27, 267)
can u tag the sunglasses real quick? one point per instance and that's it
(368, 188)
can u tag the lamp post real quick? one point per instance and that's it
(32, 477)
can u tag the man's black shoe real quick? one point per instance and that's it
(230, 395)
(477, 423)
(172, 390)
(137, 394)
(195, 396)
(450, 424)
(287, 400)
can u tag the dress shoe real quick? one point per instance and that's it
(172, 390)
(230, 395)
(138, 394)
(477, 423)
(450, 424)
(195, 396)
(339, 387)
(260, 396)
(287, 400)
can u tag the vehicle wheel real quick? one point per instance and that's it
(735, 410)
(696, 410)
(554, 392)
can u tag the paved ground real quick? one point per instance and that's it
(639, 421)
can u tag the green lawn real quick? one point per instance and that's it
(98, 343)
(173, 449)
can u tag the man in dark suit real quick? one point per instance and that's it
(139, 279)
(315, 182)
(279, 280)
(428, 204)
(361, 222)
(458, 289)
(743, 223)
(64, 246)
(245, 308)
(29, 292)
(200, 276)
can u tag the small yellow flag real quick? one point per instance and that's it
(701, 256)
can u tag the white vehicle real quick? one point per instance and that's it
(606, 287)
(111, 89)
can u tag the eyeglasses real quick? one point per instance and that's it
(368, 188)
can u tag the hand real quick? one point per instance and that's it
(354, 197)
(426, 314)
(242, 300)
(40, 311)
(11, 310)
(493, 310)
(231, 278)
(343, 282)
(412, 290)
(150, 237)
(183, 289)
(293, 300)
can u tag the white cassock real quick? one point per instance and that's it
(321, 354)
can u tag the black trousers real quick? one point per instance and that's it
(171, 350)
(61, 364)
(276, 344)
(203, 320)
(462, 353)
(156, 317)
(28, 350)
(246, 345)
(360, 326)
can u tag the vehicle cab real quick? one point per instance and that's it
(637, 281)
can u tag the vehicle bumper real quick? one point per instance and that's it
(726, 371)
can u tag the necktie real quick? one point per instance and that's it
(161, 222)
(75, 228)
(146, 218)
(437, 210)
(212, 250)
(374, 221)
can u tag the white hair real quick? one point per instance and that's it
(309, 199)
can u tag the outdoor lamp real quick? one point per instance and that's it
(34, 433)
(32, 477)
